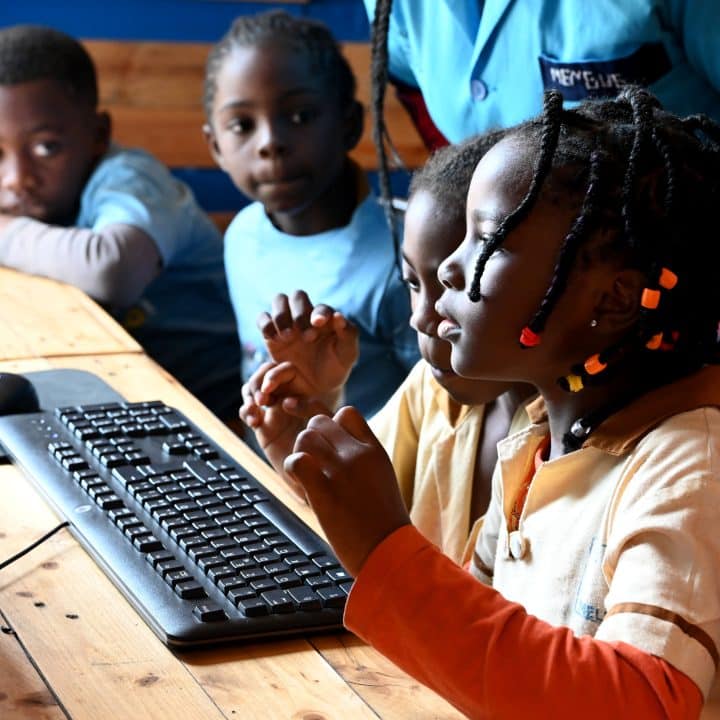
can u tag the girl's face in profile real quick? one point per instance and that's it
(485, 335)
(429, 237)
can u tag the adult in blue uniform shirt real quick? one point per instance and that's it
(485, 64)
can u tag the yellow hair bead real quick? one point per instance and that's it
(575, 383)
(593, 365)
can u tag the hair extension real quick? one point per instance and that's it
(311, 38)
(33, 52)
(379, 81)
(552, 108)
(569, 248)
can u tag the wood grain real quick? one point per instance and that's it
(41, 317)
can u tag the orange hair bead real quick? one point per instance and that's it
(650, 298)
(654, 342)
(668, 279)
(593, 365)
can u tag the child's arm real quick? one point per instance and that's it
(484, 654)
(114, 265)
(319, 342)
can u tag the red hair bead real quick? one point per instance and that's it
(528, 338)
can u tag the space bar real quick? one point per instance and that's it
(295, 529)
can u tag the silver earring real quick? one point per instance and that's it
(593, 323)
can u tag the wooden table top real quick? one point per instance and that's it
(45, 318)
(72, 647)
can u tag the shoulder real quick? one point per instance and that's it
(251, 219)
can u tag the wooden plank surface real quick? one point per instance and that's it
(154, 92)
(40, 317)
(23, 693)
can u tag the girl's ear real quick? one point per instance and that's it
(211, 141)
(354, 121)
(618, 308)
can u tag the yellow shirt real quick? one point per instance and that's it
(432, 443)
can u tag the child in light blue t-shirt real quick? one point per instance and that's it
(111, 221)
(282, 118)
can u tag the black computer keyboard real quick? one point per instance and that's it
(196, 544)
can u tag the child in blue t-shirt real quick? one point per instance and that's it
(282, 118)
(111, 221)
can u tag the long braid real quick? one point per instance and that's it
(379, 81)
(571, 244)
(552, 110)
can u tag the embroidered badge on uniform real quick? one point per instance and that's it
(589, 605)
(605, 78)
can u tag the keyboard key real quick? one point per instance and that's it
(190, 590)
(279, 601)
(331, 597)
(305, 598)
(209, 613)
(252, 607)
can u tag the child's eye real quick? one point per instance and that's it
(412, 283)
(301, 117)
(240, 126)
(46, 149)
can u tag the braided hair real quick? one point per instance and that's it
(310, 37)
(34, 52)
(379, 80)
(651, 189)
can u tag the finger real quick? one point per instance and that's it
(282, 317)
(251, 414)
(301, 407)
(350, 420)
(277, 376)
(266, 326)
(320, 439)
(321, 315)
(301, 308)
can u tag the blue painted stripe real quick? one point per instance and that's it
(216, 193)
(174, 20)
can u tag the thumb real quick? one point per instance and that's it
(352, 421)
(303, 469)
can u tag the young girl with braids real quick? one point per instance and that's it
(439, 429)
(590, 269)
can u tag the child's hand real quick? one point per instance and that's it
(350, 484)
(317, 340)
(277, 416)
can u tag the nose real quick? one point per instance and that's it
(450, 273)
(16, 172)
(271, 143)
(424, 318)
